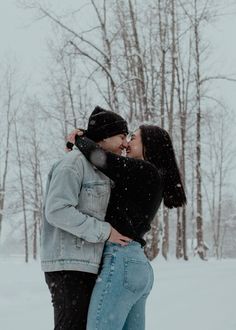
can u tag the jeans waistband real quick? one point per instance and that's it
(132, 243)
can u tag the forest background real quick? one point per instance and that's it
(171, 63)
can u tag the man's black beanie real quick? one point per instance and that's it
(103, 124)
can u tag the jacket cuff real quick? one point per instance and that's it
(105, 231)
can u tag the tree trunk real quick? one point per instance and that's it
(5, 169)
(165, 239)
(199, 218)
(151, 249)
(22, 194)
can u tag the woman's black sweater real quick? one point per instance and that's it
(136, 192)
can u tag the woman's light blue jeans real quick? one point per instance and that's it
(121, 290)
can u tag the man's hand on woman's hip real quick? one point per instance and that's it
(116, 237)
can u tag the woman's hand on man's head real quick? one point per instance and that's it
(71, 138)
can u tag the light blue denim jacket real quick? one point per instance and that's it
(73, 231)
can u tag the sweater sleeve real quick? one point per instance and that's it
(112, 165)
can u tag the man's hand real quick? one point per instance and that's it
(116, 237)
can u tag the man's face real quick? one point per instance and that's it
(115, 144)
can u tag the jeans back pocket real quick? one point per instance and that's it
(136, 275)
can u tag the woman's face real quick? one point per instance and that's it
(135, 145)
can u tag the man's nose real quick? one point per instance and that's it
(125, 143)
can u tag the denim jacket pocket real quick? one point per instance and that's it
(95, 197)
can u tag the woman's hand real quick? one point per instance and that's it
(71, 137)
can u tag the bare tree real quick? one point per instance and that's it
(23, 192)
(34, 157)
(199, 217)
(220, 158)
(183, 77)
(8, 91)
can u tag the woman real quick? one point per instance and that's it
(141, 180)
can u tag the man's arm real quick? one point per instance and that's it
(61, 212)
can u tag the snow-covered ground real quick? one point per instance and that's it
(191, 295)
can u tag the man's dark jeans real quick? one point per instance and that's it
(71, 292)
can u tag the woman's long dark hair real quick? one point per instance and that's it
(158, 150)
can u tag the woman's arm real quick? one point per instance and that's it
(112, 165)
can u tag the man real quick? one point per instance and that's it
(73, 230)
